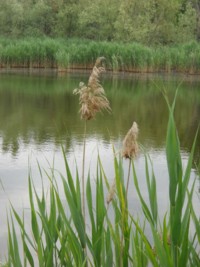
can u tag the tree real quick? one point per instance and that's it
(134, 20)
(155, 21)
(67, 20)
(11, 18)
(196, 5)
(186, 25)
(148, 22)
(97, 19)
(39, 20)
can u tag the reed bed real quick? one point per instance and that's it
(65, 54)
(60, 234)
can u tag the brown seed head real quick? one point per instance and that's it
(99, 61)
(92, 97)
(130, 145)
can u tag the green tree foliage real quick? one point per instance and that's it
(97, 19)
(40, 20)
(134, 20)
(187, 24)
(11, 17)
(148, 22)
(196, 6)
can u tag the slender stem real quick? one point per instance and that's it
(124, 215)
(83, 186)
(83, 172)
(128, 178)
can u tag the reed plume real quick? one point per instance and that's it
(130, 145)
(92, 96)
(130, 148)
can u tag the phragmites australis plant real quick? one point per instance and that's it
(92, 100)
(129, 151)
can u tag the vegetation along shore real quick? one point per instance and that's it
(65, 54)
(136, 36)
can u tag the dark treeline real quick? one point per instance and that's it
(147, 22)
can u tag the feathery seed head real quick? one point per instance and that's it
(99, 61)
(130, 145)
(92, 97)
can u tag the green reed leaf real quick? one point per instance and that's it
(187, 174)
(109, 251)
(149, 250)
(173, 158)
(75, 213)
(145, 208)
(15, 247)
(151, 185)
(34, 222)
(28, 254)
(90, 205)
(70, 179)
(160, 252)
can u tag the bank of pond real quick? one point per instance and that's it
(67, 54)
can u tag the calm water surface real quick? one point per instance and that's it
(38, 113)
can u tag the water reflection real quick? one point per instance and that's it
(39, 112)
(39, 109)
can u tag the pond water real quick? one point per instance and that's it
(38, 113)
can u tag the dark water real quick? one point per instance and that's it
(38, 113)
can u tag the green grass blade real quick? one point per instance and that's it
(160, 250)
(69, 177)
(34, 223)
(28, 253)
(15, 249)
(90, 206)
(145, 208)
(173, 158)
(75, 213)
(109, 252)
(189, 166)
(183, 259)
(21, 225)
(149, 250)
(166, 240)
(197, 224)
(151, 185)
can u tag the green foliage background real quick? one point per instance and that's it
(147, 22)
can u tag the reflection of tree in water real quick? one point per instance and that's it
(33, 118)
(10, 146)
(51, 114)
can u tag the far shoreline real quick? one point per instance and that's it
(125, 74)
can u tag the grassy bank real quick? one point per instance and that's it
(64, 54)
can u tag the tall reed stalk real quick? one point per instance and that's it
(129, 151)
(130, 148)
(128, 177)
(83, 170)
(92, 100)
